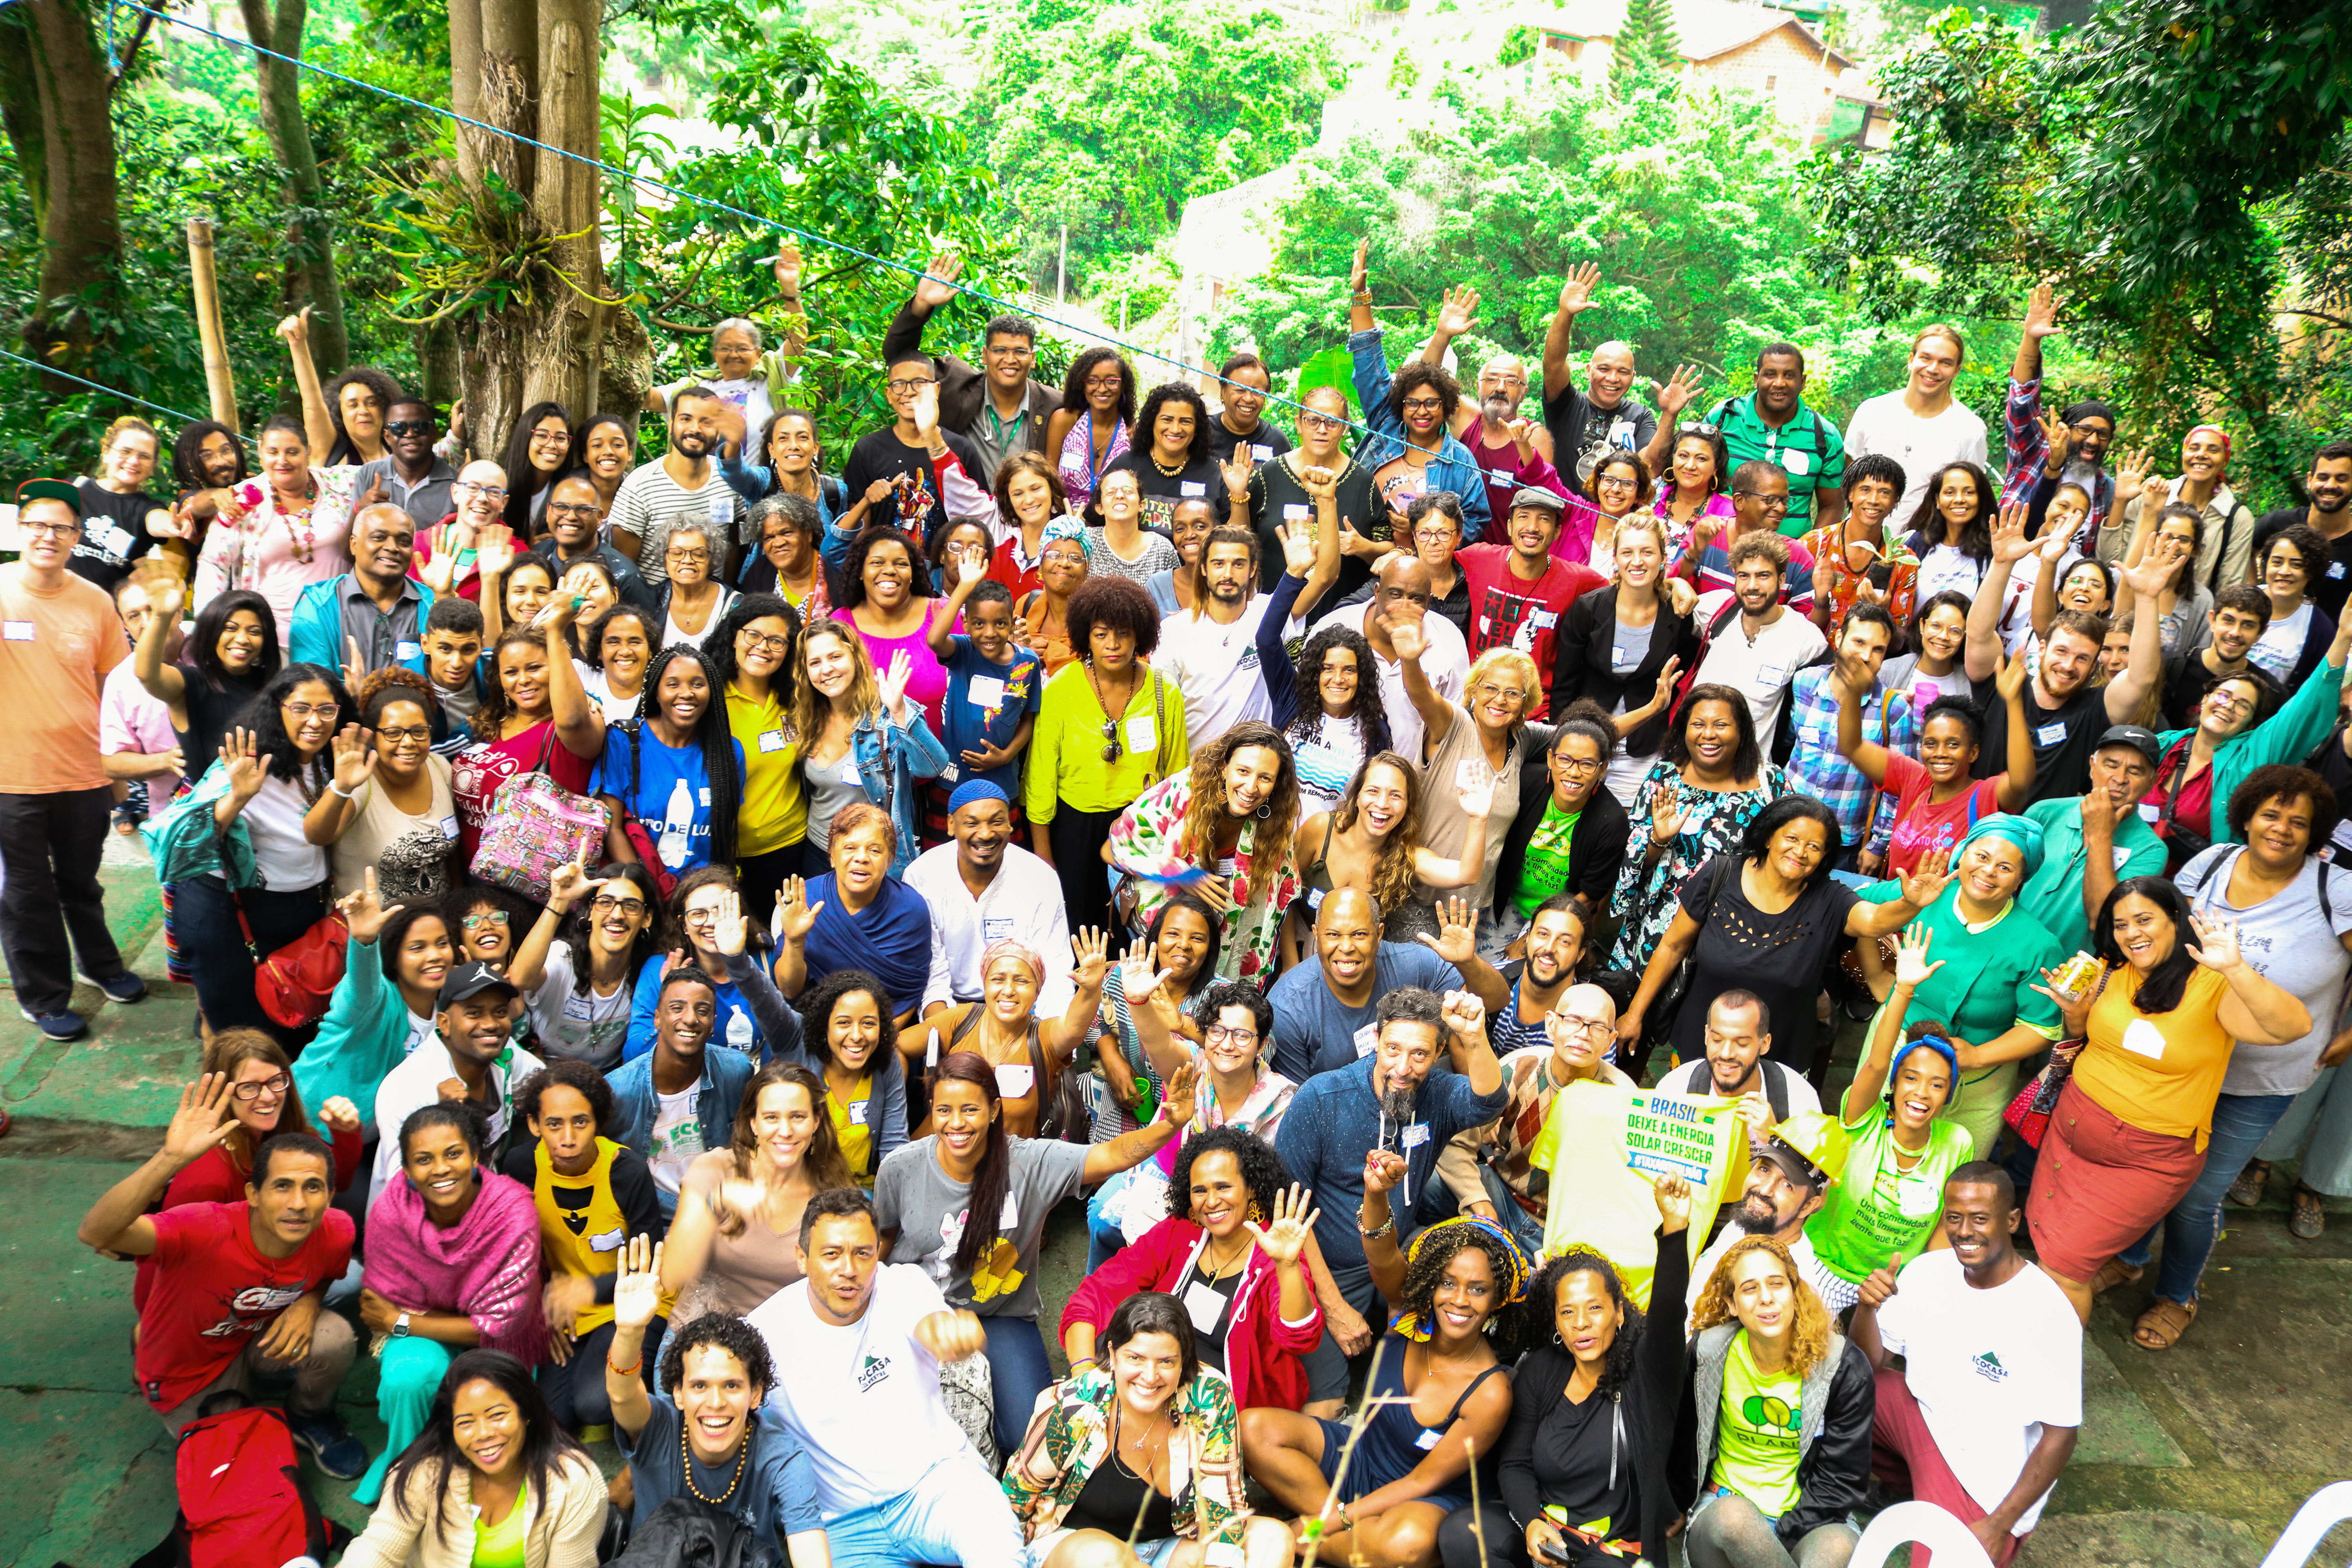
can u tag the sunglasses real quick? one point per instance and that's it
(409, 427)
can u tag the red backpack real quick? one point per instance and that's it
(242, 1501)
(295, 983)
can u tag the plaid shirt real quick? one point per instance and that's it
(2029, 448)
(1815, 765)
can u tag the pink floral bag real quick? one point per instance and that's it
(535, 825)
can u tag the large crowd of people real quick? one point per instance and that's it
(668, 937)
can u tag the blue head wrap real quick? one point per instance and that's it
(975, 789)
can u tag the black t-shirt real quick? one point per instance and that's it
(2186, 682)
(2330, 590)
(114, 533)
(916, 508)
(1278, 498)
(1266, 443)
(210, 714)
(1582, 432)
(1199, 480)
(1781, 957)
(1210, 1343)
(1574, 1445)
(2063, 738)
(2330, 763)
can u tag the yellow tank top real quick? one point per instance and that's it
(581, 1227)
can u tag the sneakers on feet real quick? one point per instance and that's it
(338, 1452)
(57, 1025)
(124, 988)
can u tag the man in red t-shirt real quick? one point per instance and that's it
(1518, 591)
(238, 1289)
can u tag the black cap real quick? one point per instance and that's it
(1793, 1164)
(468, 980)
(2142, 740)
(65, 491)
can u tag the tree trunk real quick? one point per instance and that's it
(564, 197)
(64, 128)
(310, 238)
(436, 356)
(466, 84)
(509, 86)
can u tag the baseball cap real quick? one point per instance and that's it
(2142, 740)
(469, 980)
(1538, 497)
(65, 491)
(1809, 1147)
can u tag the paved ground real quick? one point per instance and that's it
(2197, 1456)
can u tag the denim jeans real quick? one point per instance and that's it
(1017, 1372)
(955, 1514)
(2241, 1122)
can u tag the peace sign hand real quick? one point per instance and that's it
(2058, 438)
(364, 912)
(1294, 1222)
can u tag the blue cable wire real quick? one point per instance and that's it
(666, 188)
(112, 391)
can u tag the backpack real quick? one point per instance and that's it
(684, 1532)
(242, 1501)
(295, 983)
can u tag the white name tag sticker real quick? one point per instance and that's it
(1261, 451)
(995, 928)
(1799, 464)
(987, 691)
(1206, 1306)
(1188, 487)
(2144, 1038)
(1141, 736)
(2049, 734)
(449, 827)
(770, 742)
(858, 1112)
(2121, 855)
(2149, 813)
(405, 650)
(1771, 674)
(1008, 1220)
(1416, 1135)
(1428, 1439)
(17, 631)
(1366, 1038)
(1293, 511)
(2336, 569)
(1013, 1080)
(1620, 657)
(849, 774)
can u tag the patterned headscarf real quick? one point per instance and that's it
(1008, 947)
(1513, 1286)
(1063, 527)
(2219, 435)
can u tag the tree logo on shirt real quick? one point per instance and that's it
(872, 1370)
(1767, 1413)
(1989, 1367)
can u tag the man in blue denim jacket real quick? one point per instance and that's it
(679, 1100)
(1412, 416)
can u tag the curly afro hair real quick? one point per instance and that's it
(1510, 1323)
(725, 1331)
(577, 1076)
(815, 1008)
(1263, 1170)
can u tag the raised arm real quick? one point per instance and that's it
(1911, 972)
(1456, 315)
(1130, 1150)
(1850, 683)
(165, 682)
(2015, 790)
(1411, 640)
(119, 1221)
(1376, 1220)
(2009, 546)
(318, 424)
(2145, 668)
(1360, 291)
(1060, 1037)
(965, 573)
(637, 1298)
(1575, 298)
(2257, 1011)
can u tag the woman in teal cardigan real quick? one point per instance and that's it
(2243, 724)
(387, 997)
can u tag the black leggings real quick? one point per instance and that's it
(1077, 838)
(575, 1390)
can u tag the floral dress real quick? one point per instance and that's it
(1713, 821)
(278, 555)
(1204, 1484)
(1147, 841)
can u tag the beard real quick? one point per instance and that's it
(1498, 409)
(1397, 1105)
(1756, 1217)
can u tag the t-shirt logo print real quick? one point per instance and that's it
(1989, 1367)
(873, 1370)
(572, 1204)
(1769, 1413)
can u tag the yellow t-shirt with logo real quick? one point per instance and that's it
(581, 1227)
(775, 812)
(852, 1126)
(1756, 1447)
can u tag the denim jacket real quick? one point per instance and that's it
(1454, 469)
(890, 757)
(725, 1072)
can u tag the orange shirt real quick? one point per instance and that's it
(55, 648)
(2161, 1073)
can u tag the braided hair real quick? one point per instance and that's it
(710, 732)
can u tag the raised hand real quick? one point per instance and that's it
(1360, 270)
(364, 911)
(354, 757)
(798, 918)
(1879, 1288)
(894, 681)
(1090, 949)
(1911, 966)
(1667, 676)
(2058, 438)
(971, 566)
(340, 1114)
(494, 552)
(1674, 1196)
(1237, 472)
(1297, 551)
(1294, 1222)
(2131, 475)
(1407, 637)
(1576, 294)
(1851, 674)
(2042, 313)
(1666, 817)
(570, 882)
(296, 328)
(1459, 313)
(1522, 432)
(731, 933)
(2165, 553)
(201, 1121)
(2010, 544)
(240, 752)
(2010, 679)
(1925, 882)
(1383, 1169)
(1456, 941)
(1140, 975)
(1320, 483)
(939, 286)
(787, 269)
(923, 408)
(636, 1283)
(1466, 1015)
(1478, 794)
(1183, 1084)
(2217, 943)
(1680, 392)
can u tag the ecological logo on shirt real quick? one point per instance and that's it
(1766, 1412)
(873, 1370)
(1989, 1367)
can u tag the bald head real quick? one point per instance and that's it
(1581, 1027)
(1405, 573)
(1503, 376)
(1348, 941)
(1590, 1001)
(1611, 374)
(480, 491)
(383, 544)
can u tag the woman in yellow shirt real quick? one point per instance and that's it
(1108, 728)
(752, 649)
(849, 1039)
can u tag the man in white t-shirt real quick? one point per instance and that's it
(1401, 591)
(858, 1346)
(1211, 649)
(1738, 1037)
(471, 1050)
(1921, 427)
(1985, 1413)
(1758, 652)
(983, 887)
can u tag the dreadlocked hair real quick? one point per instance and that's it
(1208, 812)
(1618, 1362)
(1510, 1325)
(1809, 1331)
(1392, 873)
(710, 733)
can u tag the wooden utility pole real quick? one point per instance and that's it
(219, 381)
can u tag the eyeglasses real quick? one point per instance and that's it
(581, 511)
(1217, 1033)
(1770, 503)
(488, 492)
(1576, 1026)
(494, 917)
(1063, 558)
(909, 383)
(1614, 482)
(1321, 424)
(409, 427)
(1507, 693)
(301, 710)
(254, 1089)
(687, 555)
(1105, 382)
(605, 904)
(700, 917)
(550, 437)
(50, 530)
(1432, 535)
(1424, 404)
(1579, 765)
(763, 643)
(421, 733)
(1699, 430)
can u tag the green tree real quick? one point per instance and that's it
(1647, 46)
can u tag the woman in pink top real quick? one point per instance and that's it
(1936, 800)
(1095, 422)
(886, 593)
(536, 718)
(290, 529)
(1696, 483)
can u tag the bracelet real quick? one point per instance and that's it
(629, 1371)
(1375, 1235)
(337, 790)
(1082, 1360)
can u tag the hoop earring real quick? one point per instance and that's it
(1266, 811)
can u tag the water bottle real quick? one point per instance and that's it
(677, 824)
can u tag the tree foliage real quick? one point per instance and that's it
(1647, 47)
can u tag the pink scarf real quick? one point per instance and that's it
(485, 1266)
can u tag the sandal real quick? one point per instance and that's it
(2309, 1219)
(2160, 1327)
(2246, 1192)
(2115, 1271)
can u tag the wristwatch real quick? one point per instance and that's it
(400, 1327)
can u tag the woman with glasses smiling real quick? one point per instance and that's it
(1095, 422)
(580, 989)
(401, 820)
